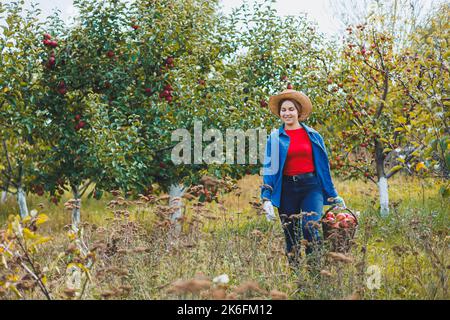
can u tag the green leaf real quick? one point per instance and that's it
(447, 159)
(401, 120)
(444, 192)
(395, 169)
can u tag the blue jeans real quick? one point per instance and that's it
(304, 195)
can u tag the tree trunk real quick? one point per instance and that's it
(176, 191)
(3, 197)
(4, 193)
(384, 196)
(22, 201)
(76, 211)
(382, 180)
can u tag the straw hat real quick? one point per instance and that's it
(291, 94)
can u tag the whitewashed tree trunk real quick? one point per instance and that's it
(22, 201)
(384, 196)
(3, 197)
(76, 211)
(382, 180)
(176, 192)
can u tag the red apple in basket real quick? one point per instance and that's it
(351, 221)
(340, 216)
(329, 220)
(344, 224)
(329, 217)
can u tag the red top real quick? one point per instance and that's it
(299, 157)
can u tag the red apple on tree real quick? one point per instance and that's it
(51, 61)
(169, 62)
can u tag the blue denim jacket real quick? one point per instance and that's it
(278, 144)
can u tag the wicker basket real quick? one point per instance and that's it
(340, 239)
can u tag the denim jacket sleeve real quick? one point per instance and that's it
(268, 184)
(329, 186)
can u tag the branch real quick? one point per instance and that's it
(163, 149)
(408, 158)
(9, 180)
(33, 273)
(385, 92)
(84, 188)
(359, 169)
(8, 175)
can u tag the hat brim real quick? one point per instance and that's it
(301, 98)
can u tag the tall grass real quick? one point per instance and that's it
(137, 257)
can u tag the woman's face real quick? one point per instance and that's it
(288, 112)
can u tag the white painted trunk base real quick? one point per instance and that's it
(176, 191)
(384, 196)
(22, 201)
(3, 197)
(76, 215)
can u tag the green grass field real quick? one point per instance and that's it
(403, 256)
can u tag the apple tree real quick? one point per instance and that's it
(20, 90)
(425, 84)
(377, 130)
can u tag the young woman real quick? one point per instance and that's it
(296, 173)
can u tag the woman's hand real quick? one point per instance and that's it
(339, 201)
(268, 208)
